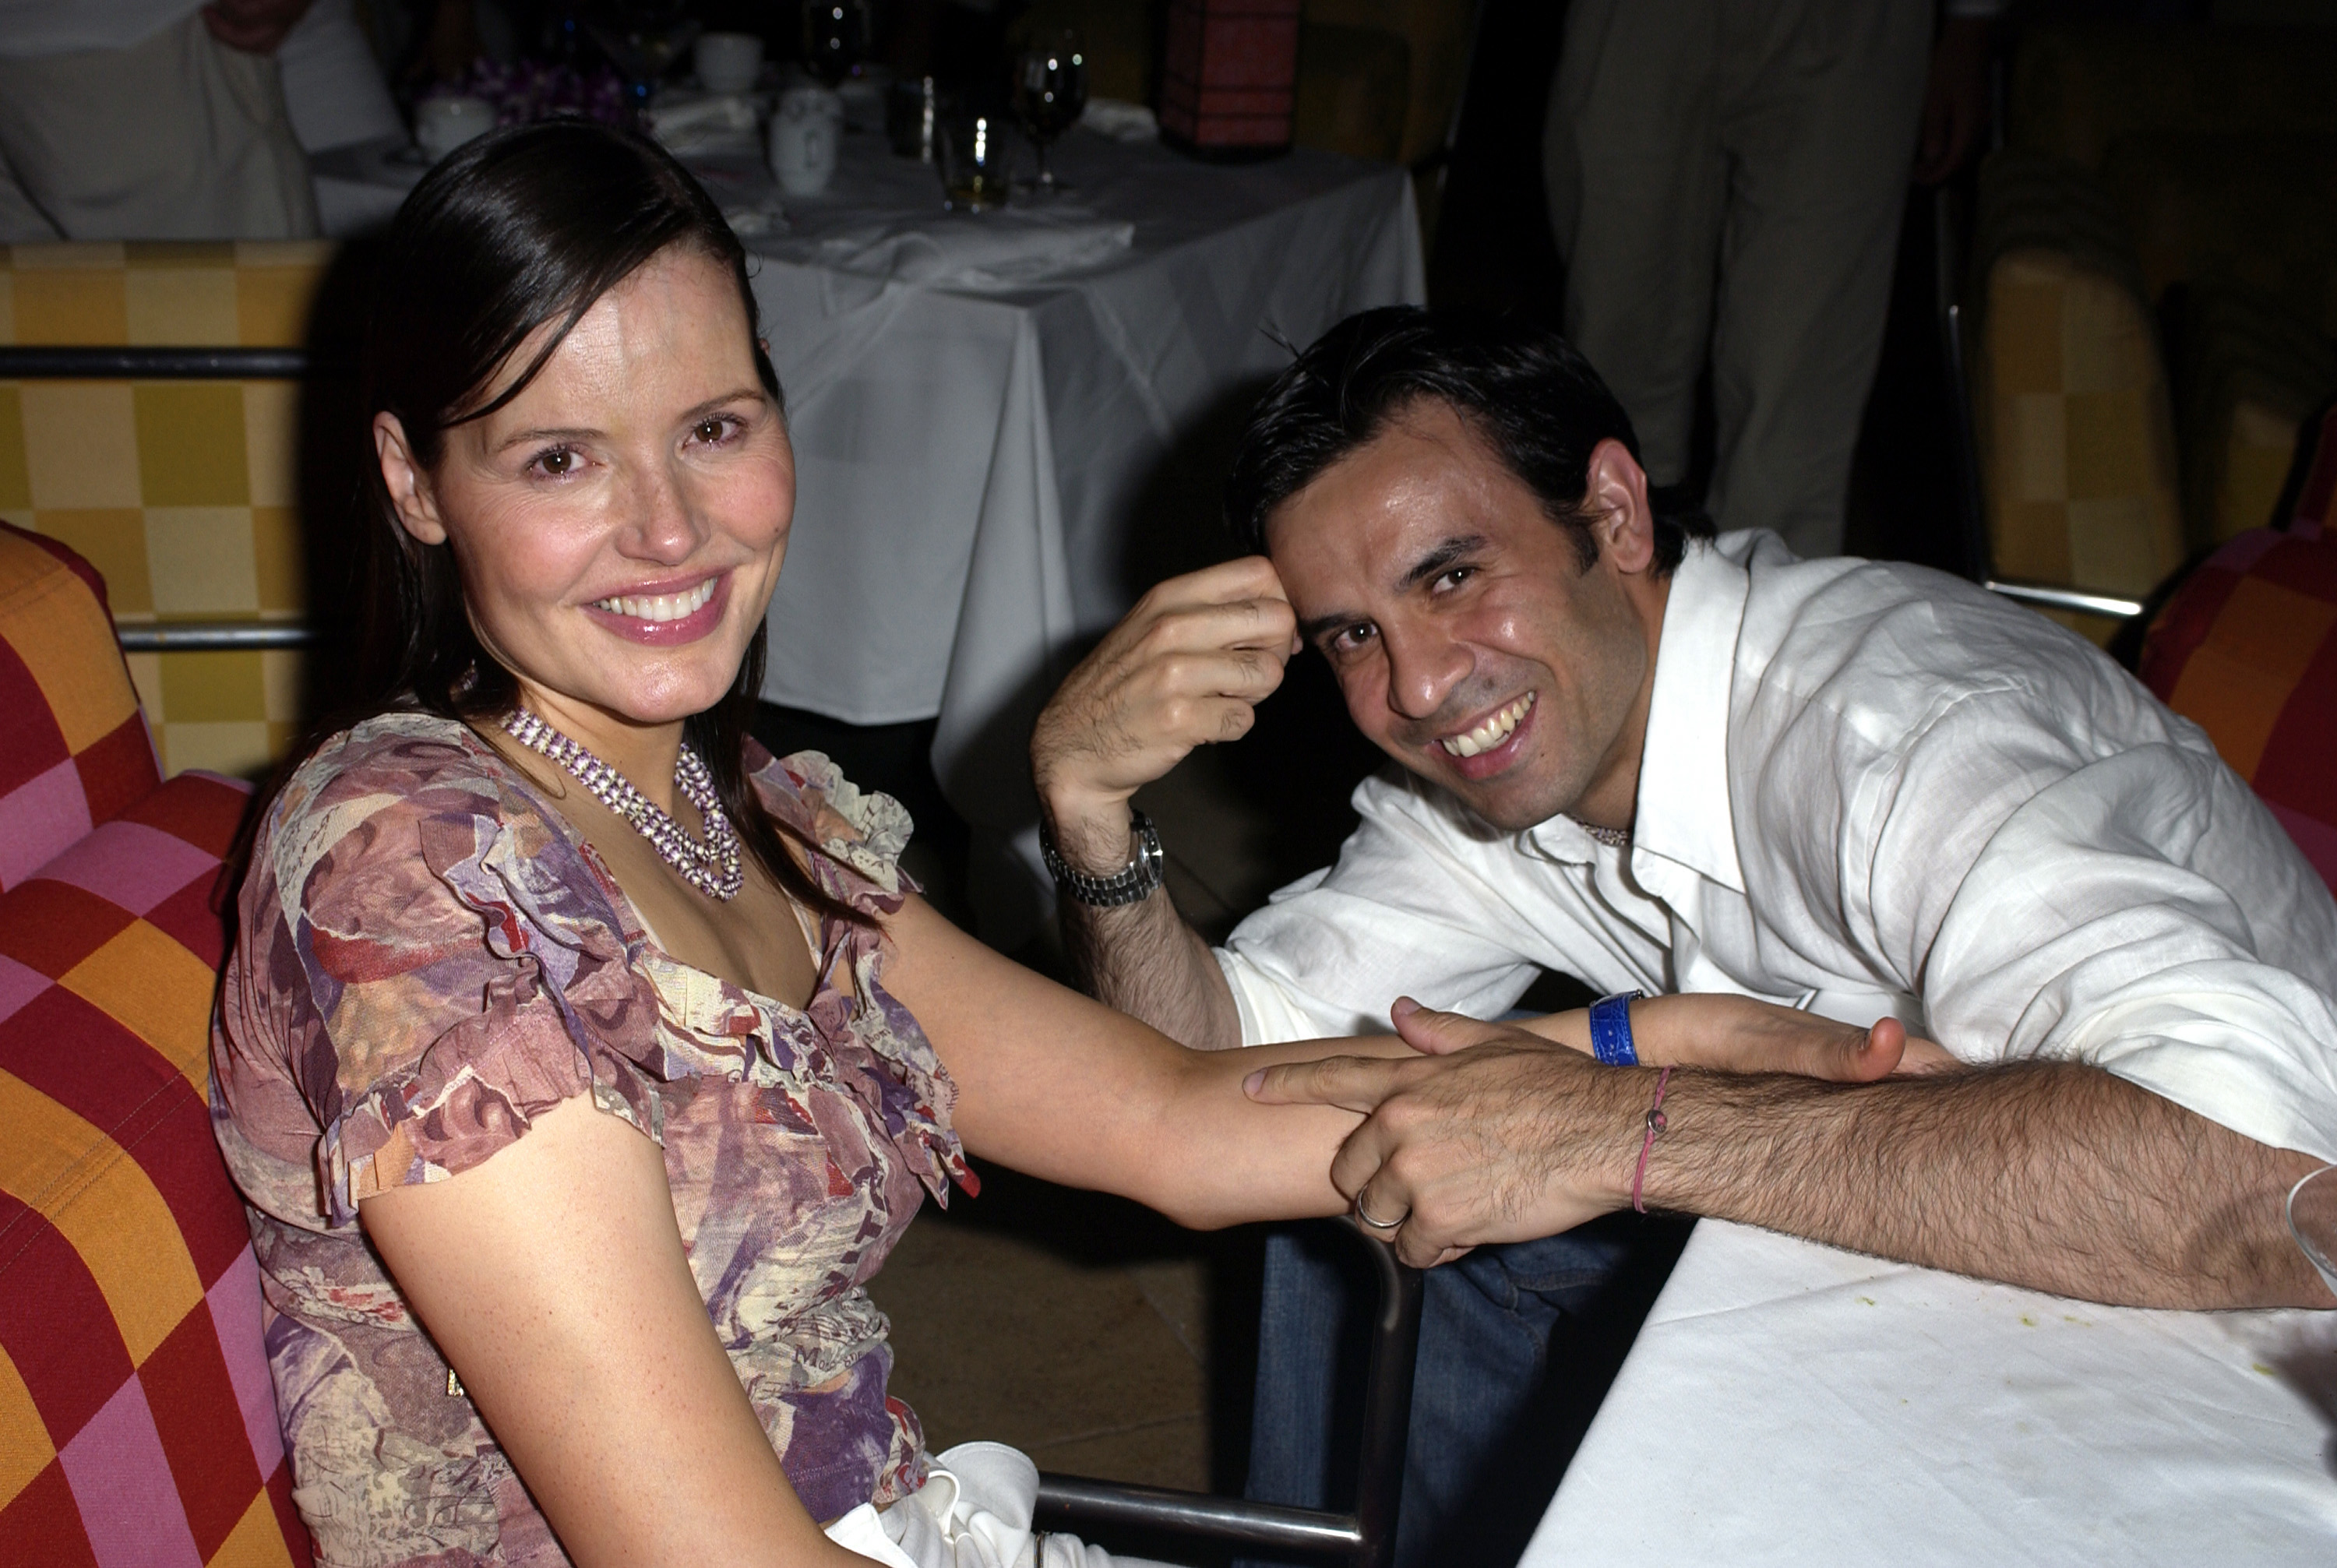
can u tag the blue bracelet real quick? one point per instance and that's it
(1610, 1029)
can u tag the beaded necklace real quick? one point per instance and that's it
(1613, 838)
(711, 865)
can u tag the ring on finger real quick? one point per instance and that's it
(1365, 1215)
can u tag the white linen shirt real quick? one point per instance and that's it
(1866, 789)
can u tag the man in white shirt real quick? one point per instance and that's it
(1667, 764)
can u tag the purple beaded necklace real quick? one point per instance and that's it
(711, 864)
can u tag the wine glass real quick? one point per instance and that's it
(2312, 1221)
(836, 36)
(1051, 89)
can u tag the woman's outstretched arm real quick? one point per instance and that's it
(553, 1278)
(1057, 1084)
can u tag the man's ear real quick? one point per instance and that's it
(408, 481)
(1615, 506)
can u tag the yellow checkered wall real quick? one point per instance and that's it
(181, 492)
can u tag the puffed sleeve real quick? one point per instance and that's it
(463, 959)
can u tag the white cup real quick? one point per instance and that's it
(728, 62)
(442, 124)
(805, 131)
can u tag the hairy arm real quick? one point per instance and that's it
(2054, 1175)
(1186, 668)
(2050, 1174)
(1144, 960)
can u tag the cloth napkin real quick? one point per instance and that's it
(972, 1512)
(980, 251)
(714, 122)
(1121, 120)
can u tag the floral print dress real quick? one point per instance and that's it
(429, 957)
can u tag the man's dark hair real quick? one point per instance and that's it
(1535, 401)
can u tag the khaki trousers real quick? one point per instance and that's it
(1726, 177)
(177, 137)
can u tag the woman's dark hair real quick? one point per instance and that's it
(524, 228)
(1533, 399)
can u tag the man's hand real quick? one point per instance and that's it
(2053, 1175)
(1955, 102)
(1188, 666)
(253, 26)
(1493, 1137)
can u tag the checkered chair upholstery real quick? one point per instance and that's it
(2252, 374)
(2071, 406)
(181, 492)
(2247, 648)
(73, 751)
(137, 1422)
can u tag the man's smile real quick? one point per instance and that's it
(1492, 732)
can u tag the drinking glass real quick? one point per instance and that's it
(973, 163)
(836, 36)
(2312, 1221)
(1051, 89)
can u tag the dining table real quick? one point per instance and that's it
(1008, 424)
(1789, 1403)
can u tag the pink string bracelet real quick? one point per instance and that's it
(1655, 1124)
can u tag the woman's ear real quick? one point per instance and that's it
(1615, 505)
(408, 481)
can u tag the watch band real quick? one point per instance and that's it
(1131, 884)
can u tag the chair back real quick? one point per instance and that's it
(73, 749)
(137, 1420)
(2070, 398)
(2247, 650)
(182, 492)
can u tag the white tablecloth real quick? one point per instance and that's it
(976, 464)
(1791, 1404)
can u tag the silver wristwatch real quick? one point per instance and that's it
(1131, 884)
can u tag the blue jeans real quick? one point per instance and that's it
(1516, 1346)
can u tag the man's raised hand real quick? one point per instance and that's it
(1186, 667)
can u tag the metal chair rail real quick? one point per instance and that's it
(146, 363)
(214, 636)
(1365, 1538)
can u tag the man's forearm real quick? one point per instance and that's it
(1145, 961)
(2054, 1175)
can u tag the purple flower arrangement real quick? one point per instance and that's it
(526, 90)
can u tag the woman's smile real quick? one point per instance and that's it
(665, 616)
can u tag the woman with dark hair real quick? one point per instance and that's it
(579, 1062)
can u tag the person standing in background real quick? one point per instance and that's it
(1727, 178)
(148, 120)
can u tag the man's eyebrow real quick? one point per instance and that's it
(1437, 561)
(1308, 630)
(1429, 566)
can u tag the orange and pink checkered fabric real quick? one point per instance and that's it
(137, 1422)
(2247, 650)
